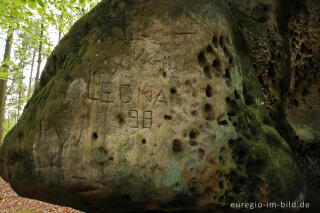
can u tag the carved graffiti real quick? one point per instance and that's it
(146, 119)
(160, 98)
(199, 11)
(168, 64)
(134, 119)
(93, 88)
(146, 94)
(125, 93)
(107, 92)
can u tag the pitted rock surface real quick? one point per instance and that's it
(161, 105)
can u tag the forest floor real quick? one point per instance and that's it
(11, 202)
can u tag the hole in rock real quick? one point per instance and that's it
(194, 113)
(21, 135)
(201, 59)
(215, 63)
(236, 94)
(206, 71)
(231, 113)
(298, 57)
(111, 158)
(201, 154)
(230, 60)
(215, 41)
(296, 103)
(224, 122)
(167, 117)
(143, 141)
(234, 105)
(164, 74)
(260, 77)
(208, 111)
(209, 91)
(231, 142)
(95, 136)
(120, 119)
(209, 49)
(176, 146)
(226, 52)
(193, 134)
(271, 71)
(227, 73)
(173, 91)
(227, 39)
(220, 184)
(221, 41)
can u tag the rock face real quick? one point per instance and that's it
(173, 105)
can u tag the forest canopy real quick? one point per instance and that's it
(29, 29)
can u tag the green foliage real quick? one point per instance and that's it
(68, 12)
(34, 3)
(6, 73)
(25, 18)
(28, 211)
(1, 197)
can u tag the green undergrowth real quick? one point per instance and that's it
(28, 211)
(1, 197)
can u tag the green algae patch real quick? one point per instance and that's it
(174, 175)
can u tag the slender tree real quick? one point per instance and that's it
(3, 82)
(39, 55)
(31, 72)
(22, 54)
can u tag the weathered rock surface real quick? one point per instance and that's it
(173, 105)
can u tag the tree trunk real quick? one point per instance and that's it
(31, 72)
(39, 57)
(3, 82)
(20, 90)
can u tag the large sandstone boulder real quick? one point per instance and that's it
(170, 105)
